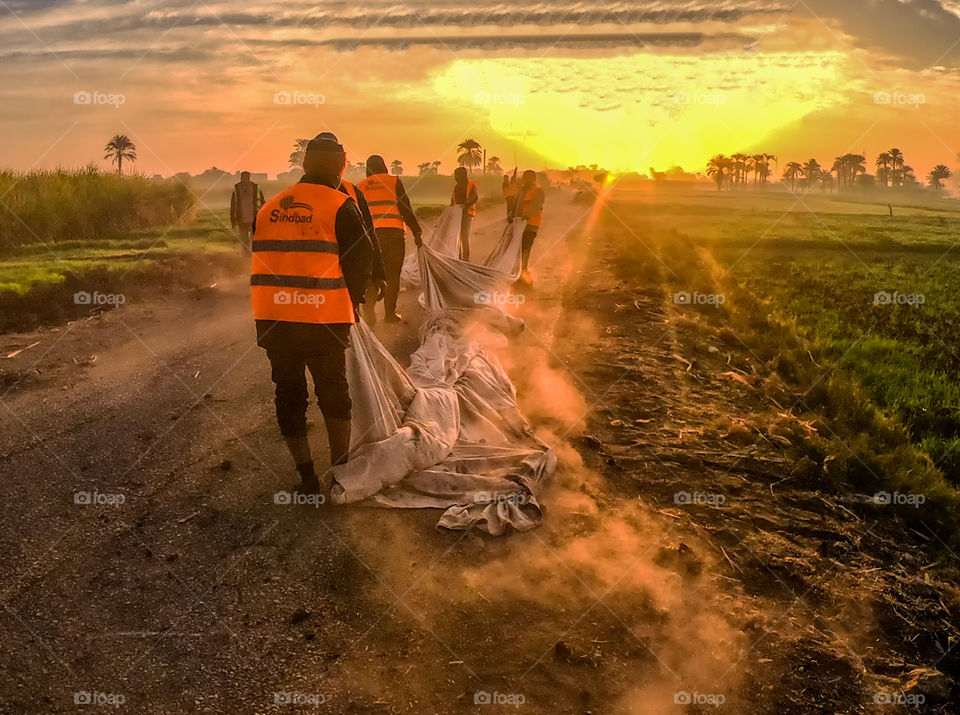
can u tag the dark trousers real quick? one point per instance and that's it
(319, 349)
(245, 230)
(529, 235)
(392, 246)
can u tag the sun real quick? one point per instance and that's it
(630, 112)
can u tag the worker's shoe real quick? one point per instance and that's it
(393, 318)
(326, 484)
(309, 482)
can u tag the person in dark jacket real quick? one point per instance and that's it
(245, 201)
(391, 212)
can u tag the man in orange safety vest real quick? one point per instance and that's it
(310, 265)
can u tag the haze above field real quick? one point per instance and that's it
(627, 85)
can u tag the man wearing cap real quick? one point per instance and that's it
(245, 201)
(391, 211)
(311, 263)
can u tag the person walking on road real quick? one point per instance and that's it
(245, 201)
(391, 211)
(465, 194)
(310, 266)
(529, 207)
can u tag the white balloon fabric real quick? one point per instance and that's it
(444, 239)
(506, 255)
(447, 433)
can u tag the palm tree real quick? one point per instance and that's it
(471, 154)
(717, 168)
(761, 167)
(296, 156)
(812, 172)
(883, 163)
(118, 149)
(435, 167)
(755, 161)
(858, 165)
(396, 167)
(938, 175)
(848, 167)
(792, 172)
(907, 177)
(896, 166)
(840, 169)
(493, 165)
(740, 166)
(424, 168)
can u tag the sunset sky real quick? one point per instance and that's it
(626, 85)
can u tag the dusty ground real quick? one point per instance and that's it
(198, 593)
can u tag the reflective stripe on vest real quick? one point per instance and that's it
(380, 191)
(527, 198)
(295, 273)
(471, 186)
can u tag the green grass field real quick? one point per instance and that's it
(37, 263)
(854, 316)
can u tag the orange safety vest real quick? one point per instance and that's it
(295, 273)
(380, 191)
(527, 199)
(471, 186)
(351, 190)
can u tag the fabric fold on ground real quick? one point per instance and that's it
(447, 433)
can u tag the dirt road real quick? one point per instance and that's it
(183, 587)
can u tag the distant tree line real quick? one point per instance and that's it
(846, 172)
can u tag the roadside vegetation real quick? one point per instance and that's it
(64, 206)
(38, 282)
(852, 323)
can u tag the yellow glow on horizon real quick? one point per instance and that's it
(631, 112)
